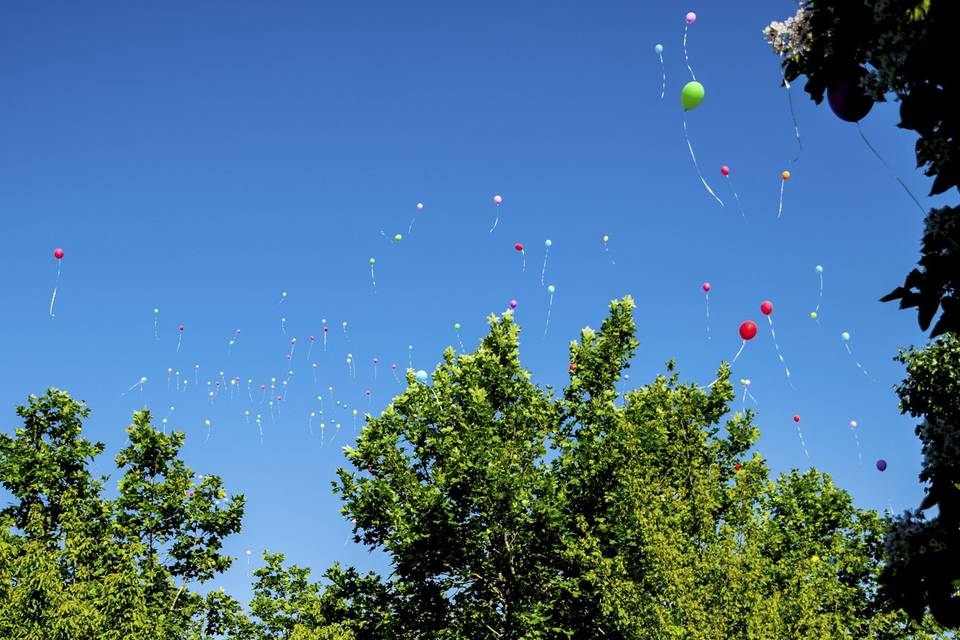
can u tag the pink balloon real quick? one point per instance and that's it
(725, 170)
(497, 199)
(58, 253)
(853, 424)
(691, 17)
(706, 287)
(513, 304)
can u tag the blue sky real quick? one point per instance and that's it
(201, 158)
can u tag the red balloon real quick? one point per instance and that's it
(706, 286)
(748, 330)
(181, 327)
(58, 253)
(766, 307)
(796, 418)
(518, 247)
(725, 170)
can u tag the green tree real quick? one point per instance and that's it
(906, 48)
(74, 564)
(924, 555)
(507, 510)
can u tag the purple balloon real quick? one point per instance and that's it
(847, 98)
(881, 465)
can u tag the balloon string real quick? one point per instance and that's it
(496, 221)
(780, 210)
(777, 347)
(685, 27)
(549, 309)
(859, 366)
(737, 197)
(696, 165)
(890, 169)
(663, 69)
(56, 285)
(856, 439)
(742, 345)
(820, 299)
(523, 261)
(793, 115)
(802, 443)
(179, 341)
(410, 228)
(706, 298)
(373, 280)
(543, 272)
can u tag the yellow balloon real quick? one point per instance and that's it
(813, 315)
(605, 238)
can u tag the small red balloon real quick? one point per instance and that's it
(706, 287)
(766, 307)
(181, 327)
(58, 253)
(737, 467)
(518, 247)
(748, 330)
(796, 418)
(725, 170)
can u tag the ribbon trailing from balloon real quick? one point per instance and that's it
(497, 201)
(696, 165)
(766, 307)
(551, 290)
(663, 70)
(725, 172)
(793, 115)
(546, 254)
(803, 444)
(746, 393)
(523, 256)
(58, 254)
(784, 176)
(689, 19)
(706, 300)
(373, 278)
(856, 439)
(846, 345)
(606, 248)
(414, 218)
(890, 169)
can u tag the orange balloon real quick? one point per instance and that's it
(785, 175)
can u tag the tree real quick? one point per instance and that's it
(74, 564)
(908, 49)
(508, 511)
(924, 555)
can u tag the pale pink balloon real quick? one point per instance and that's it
(513, 304)
(691, 18)
(497, 199)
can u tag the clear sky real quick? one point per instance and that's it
(202, 158)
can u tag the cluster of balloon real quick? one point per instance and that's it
(856, 439)
(688, 20)
(658, 49)
(784, 176)
(748, 331)
(796, 420)
(550, 290)
(766, 308)
(456, 327)
(373, 279)
(845, 337)
(523, 256)
(497, 201)
(690, 98)
(815, 314)
(546, 254)
(606, 248)
(725, 172)
(706, 300)
(58, 255)
(414, 218)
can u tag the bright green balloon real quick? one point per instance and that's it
(691, 96)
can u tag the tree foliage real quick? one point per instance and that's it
(908, 49)
(74, 564)
(924, 555)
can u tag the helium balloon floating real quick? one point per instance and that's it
(373, 278)
(690, 97)
(766, 308)
(551, 290)
(180, 338)
(414, 218)
(803, 444)
(784, 176)
(663, 70)
(847, 97)
(523, 256)
(156, 323)
(456, 327)
(725, 172)
(881, 465)
(397, 238)
(846, 345)
(546, 254)
(283, 296)
(513, 304)
(748, 331)
(706, 300)
(688, 20)
(816, 312)
(497, 201)
(421, 376)
(856, 438)
(746, 392)
(606, 239)
(58, 255)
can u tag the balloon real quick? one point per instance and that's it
(513, 304)
(796, 418)
(706, 287)
(518, 247)
(748, 330)
(497, 199)
(456, 325)
(766, 307)
(181, 327)
(692, 95)
(419, 205)
(551, 289)
(548, 243)
(398, 237)
(658, 48)
(845, 336)
(881, 465)
(690, 17)
(58, 253)
(421, 375)
(785, 175)
(853, 424)
(813, 315)
(819, 269)
(606, 238)
(725, 170)
(847, 97)
(372, 261)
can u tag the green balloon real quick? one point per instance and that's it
(691, 96)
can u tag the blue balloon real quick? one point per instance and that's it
(548, 243)
(845, 336)
(422, 375)
(658, 48)
(819, 269)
